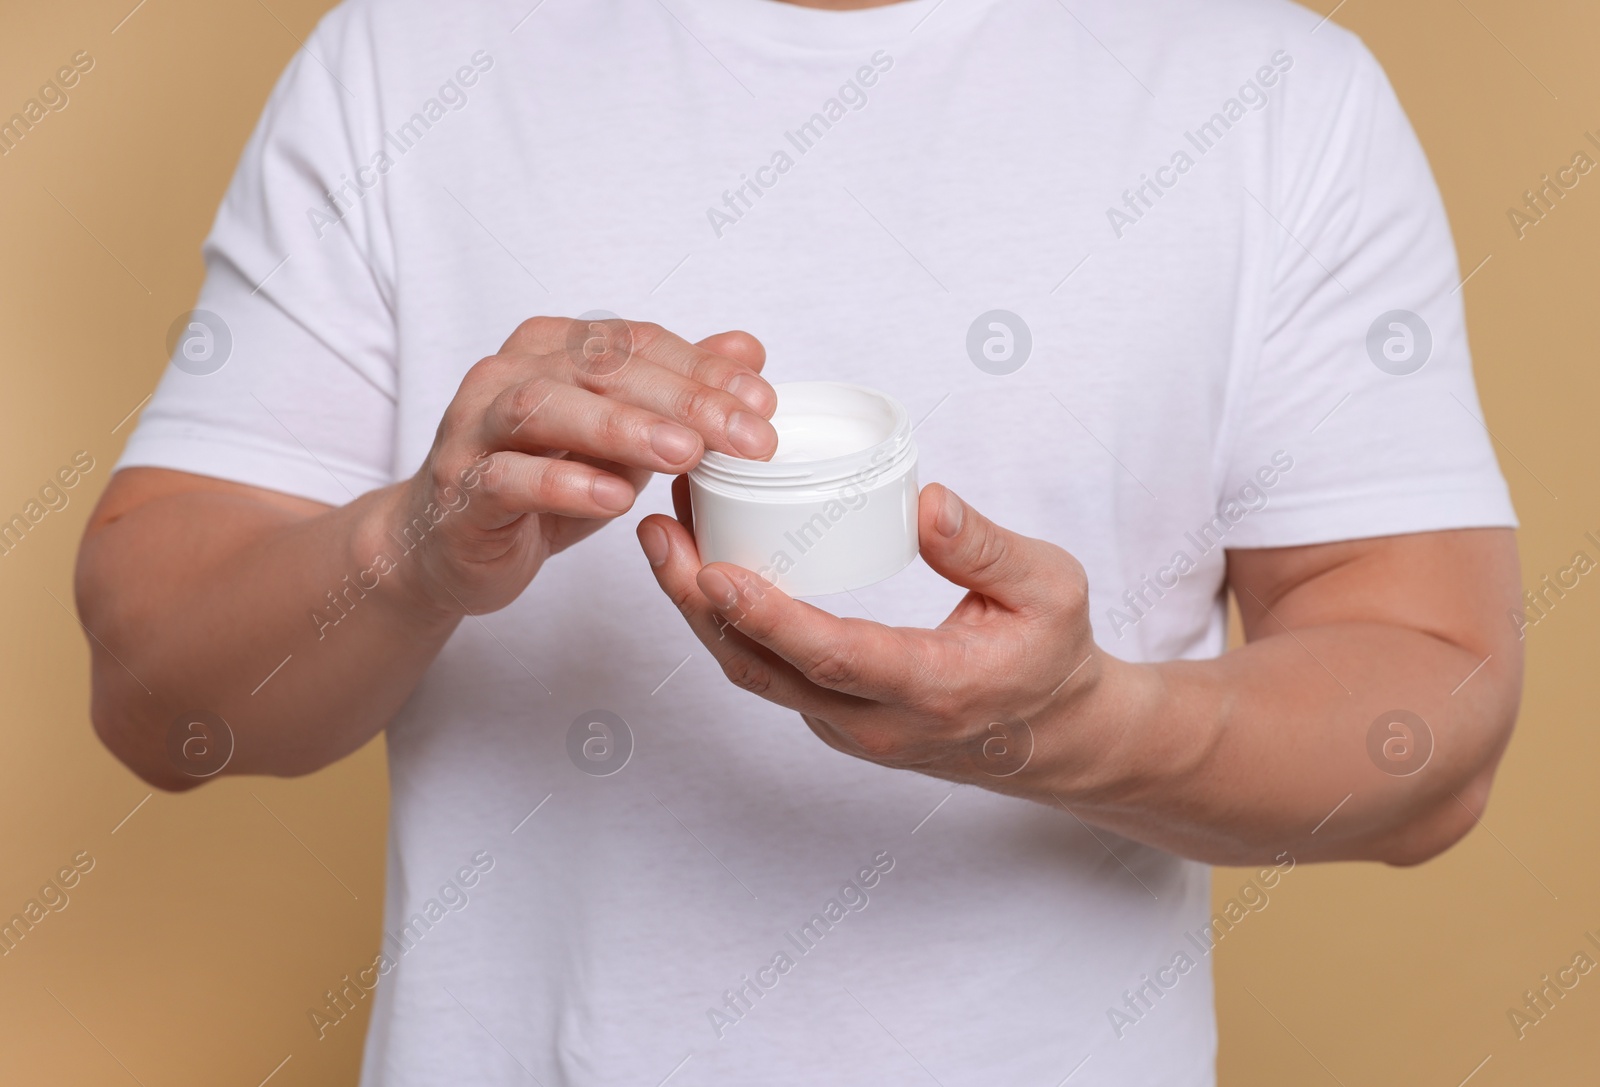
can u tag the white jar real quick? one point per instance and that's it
(835, 508)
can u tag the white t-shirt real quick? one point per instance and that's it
(1221, 260)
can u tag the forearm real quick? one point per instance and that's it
(306, 628)
(277, 621)
(1233, 760)
(1266, 749)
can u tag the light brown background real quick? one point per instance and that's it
(212, 921)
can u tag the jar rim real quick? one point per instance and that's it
(867, 463)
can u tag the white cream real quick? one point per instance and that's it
(810, 436)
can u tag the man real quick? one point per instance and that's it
(1169, 290)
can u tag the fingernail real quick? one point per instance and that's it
(611, 493)
(757, 394)
(751, 435)
(951, 512)
(672, 443)
(655, 543)
(718, 589)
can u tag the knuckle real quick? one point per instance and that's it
(878, 745)
(684, 597)
(540, 330)
(598, 349)
(834, 668)
(992, 554)
(549, 483)
(451, 421)
(614, 429)
(441, 474)
(712, 370)
(698, 404)
(483, 369)
(1066, 582)
(487, 373)
(526, 399)
(646, 333)
(1075, 585)
(747, 674)
(491, 473)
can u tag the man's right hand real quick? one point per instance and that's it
(303, 656)
(554, 436)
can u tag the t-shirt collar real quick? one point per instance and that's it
(779, 23)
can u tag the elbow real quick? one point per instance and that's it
(1446, 823)
(1457, 805)
(133, 742)
(185, 752)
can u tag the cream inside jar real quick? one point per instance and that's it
(835, 509)
(814, 435)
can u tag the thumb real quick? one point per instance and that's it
(965, 547)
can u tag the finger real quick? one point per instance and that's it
(516, 483)
(709, 365)
(853, 656)
(543, 414)
(741, 347)
(603, 355)
(673, 558)
(729, 361)
(723, 420)
(538, 336)
(963, 546)
(563, 532)
(682, 507)
(637, 478)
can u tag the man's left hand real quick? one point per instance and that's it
(1005, 693)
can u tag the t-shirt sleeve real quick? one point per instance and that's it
(284, 375)
(1363, 385)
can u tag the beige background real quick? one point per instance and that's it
(211, 922)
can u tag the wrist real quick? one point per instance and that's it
(1117, 739)
(391, 565)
